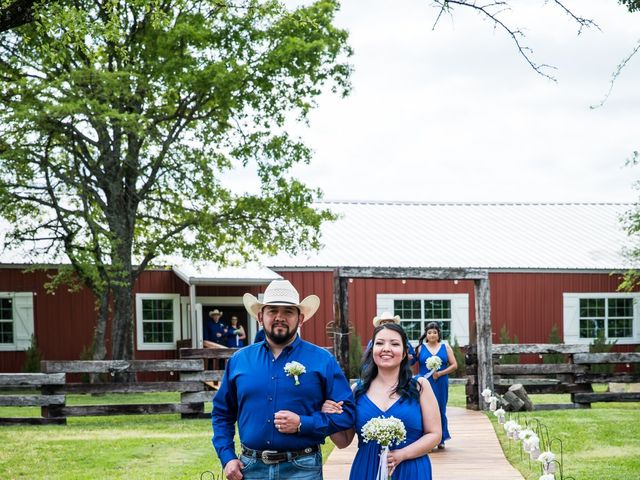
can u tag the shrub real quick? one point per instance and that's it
(505, 338)
(355, 355)
(459, 354)
(554, 337)
(601, 345)
(34, 356)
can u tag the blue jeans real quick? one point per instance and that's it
(307, 467)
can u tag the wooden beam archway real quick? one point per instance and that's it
(481, 337)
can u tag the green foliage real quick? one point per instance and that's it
(459, 354)
(632, 5)
(355, 355)
(505, 338)
(121, 123)
(631, 223)
(601, 345)
(33, 357)
(554, 337)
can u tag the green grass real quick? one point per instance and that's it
(600, 443)
(118, 447)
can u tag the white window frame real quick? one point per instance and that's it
(571, 317)
(459, 310)
(141, 344)
(22, 322)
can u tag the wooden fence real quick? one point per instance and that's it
(192, 381)
(576, 376)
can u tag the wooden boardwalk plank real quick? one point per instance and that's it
(473, 452)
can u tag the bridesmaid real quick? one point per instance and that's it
(387, 388)
(236, 334)
(439, 380)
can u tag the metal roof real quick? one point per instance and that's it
(565, 236)
(211, 274)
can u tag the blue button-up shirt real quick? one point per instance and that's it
(211, 328)
(255, 387)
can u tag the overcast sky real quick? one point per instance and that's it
(455, 114)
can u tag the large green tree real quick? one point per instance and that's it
(120, 119)
(631, 222)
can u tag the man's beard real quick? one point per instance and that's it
(282, 338)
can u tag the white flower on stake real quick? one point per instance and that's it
(534, 447)
(486, 393)
(493, 403)
(547, 458)
(513, 429)
(433, 364)
(499, 413)
(294, 369)
(387, 432)
(549, 476)
(525, 435)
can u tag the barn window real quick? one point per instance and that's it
(6, 321)
(609, 317)
(450, 310)
(158, 321)
(615, 316)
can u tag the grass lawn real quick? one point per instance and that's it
(131, 447)
(600, 443)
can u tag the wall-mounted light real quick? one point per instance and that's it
(456, 281)
(404, 282)
(351, 280)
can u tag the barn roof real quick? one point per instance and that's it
(565, 236)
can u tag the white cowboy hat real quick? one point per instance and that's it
(215, 312)
(281, 292)
(385, 316)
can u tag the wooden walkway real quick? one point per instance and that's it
(473, 452)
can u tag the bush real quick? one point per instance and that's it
(505, 338)
(355, 355)
(601, 345)
(34, 356)
(459, 354)
(554, 337)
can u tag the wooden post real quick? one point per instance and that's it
(341, 321)
(483, 331)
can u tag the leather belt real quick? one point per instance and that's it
(273, 456)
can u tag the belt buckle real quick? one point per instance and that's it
(265, 457)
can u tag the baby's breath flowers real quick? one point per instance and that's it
(387, 432)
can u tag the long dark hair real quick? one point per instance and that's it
(430, 326)
(407, 386)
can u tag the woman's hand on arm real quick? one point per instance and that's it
(341, 439)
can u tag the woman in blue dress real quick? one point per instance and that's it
(388, 389)
(235, 334)
(439, 380)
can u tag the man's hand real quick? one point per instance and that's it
(286, 421)
(232, 470)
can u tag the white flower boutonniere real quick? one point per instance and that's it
(294, 369)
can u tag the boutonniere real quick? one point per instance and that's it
(294, 369)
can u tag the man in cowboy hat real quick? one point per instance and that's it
(215, 331)
(274, 390)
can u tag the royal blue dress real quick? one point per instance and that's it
(440, 386)
(365, 465)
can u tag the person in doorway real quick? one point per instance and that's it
(387, 388)
(439, 379)
(236, 334)
(275, 390)
(215, 331)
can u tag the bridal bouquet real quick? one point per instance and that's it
(387, 432)
(433, 363)
(294, 369)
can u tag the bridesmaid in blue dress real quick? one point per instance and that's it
(387, 389)
(439, 380)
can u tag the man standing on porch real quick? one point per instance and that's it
(274, 390)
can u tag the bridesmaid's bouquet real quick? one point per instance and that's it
(387, 432)
(433, 364)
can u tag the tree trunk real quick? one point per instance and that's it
(99, 347)
(122, 337)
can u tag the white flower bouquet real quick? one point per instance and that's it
(525, 435)
(493, 403)
(433, 363)
(294, 369)
(500, 413)
(387, 432)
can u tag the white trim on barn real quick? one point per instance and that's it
(22, 320)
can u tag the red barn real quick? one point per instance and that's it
(548, 265)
